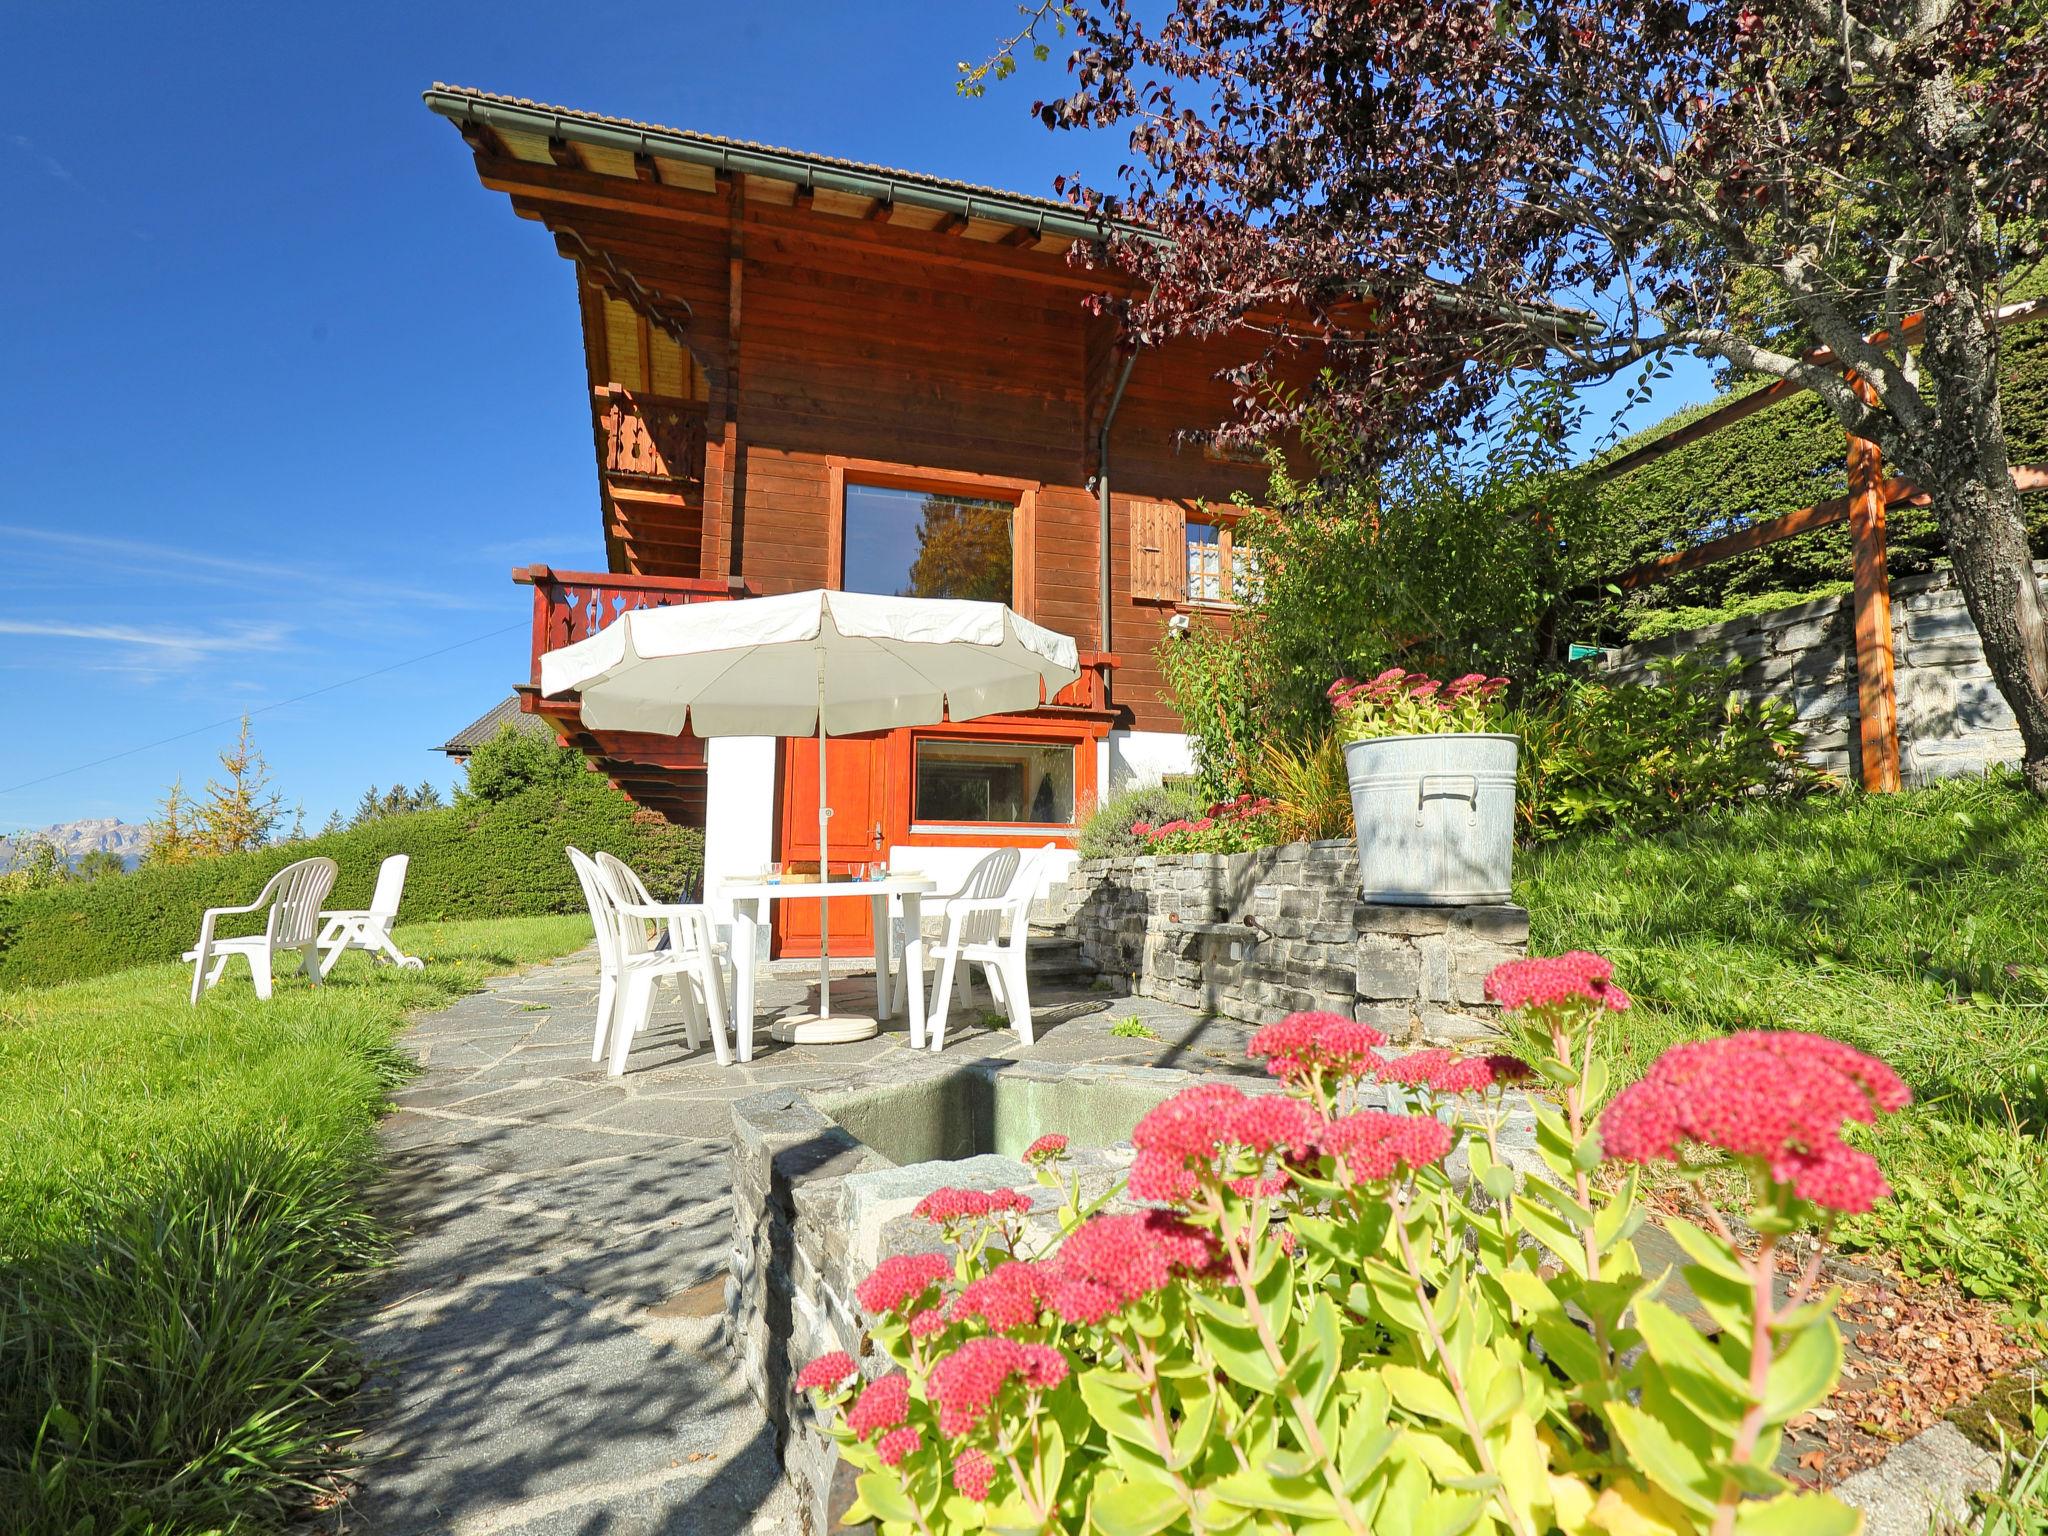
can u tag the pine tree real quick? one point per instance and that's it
(238, 814)
(297, 834)
(333, 823)
(426, 797)
(368, 809)
(169, 837)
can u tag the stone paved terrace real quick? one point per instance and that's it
(552, 1327)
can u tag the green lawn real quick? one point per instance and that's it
(1912, 926)
(182, 1226)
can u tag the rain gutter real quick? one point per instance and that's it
(1102, 493)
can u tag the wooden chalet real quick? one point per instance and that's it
(810, 372)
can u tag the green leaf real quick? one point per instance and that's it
(1422, 1394)
(1704, 1249)
(1112, 1401)
(1658, 1455)
(1284, 1495)
(1127, 1506)
(1690, 1361)
(1797, 1514)
(1238, 1350)
(1805, 1373)
(884, 1496)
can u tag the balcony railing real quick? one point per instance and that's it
(650, 436)
(572, 605)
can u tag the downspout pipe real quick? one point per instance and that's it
(1102, 495)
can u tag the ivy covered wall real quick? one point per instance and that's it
(1778, 461)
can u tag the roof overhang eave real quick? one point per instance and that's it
(460, 107)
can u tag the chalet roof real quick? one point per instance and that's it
(493, 720)
(529, 126)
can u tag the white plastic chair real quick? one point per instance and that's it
(371, 929)
(988, 923)
(292, 903)
(605, 923)
(692, 960)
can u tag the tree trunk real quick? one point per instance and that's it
(1962, 464)
(1987, 542)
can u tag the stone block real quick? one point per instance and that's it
(1448, 1027)
(1495, 923)
(1386, 967)
(1385, 917)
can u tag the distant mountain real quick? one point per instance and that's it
(74, 839)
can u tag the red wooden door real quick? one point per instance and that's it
(857, 790)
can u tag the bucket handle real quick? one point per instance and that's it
(1449, 786)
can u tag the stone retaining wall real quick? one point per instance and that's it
(1258, 935)
(1951, 718)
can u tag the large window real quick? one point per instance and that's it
(994, 781)
(923, 544)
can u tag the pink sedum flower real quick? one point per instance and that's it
(884, 1405)
(1777, 1098)
(1373, 1145)
(973, 1474)
(1008, 1296)
(1306, 1046)
(900, 1279)
(966, 1383)
(943, 1207)
(1047, 1148)
(897, 1444)
(932, 1320)
(1539, 982)
(826, 1371)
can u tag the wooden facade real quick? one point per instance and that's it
(762, 330)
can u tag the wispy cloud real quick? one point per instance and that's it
(133, 648)
(97, 551)
(49, 163)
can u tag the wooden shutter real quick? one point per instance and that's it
(1159, 552)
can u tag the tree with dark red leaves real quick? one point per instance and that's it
(1442, 192)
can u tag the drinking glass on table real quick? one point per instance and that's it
(774, 876)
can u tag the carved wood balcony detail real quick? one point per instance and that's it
(648, 437)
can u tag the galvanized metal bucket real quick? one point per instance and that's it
(1435, 817)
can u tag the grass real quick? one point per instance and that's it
(1914, 927)
(1133, 1028)
(183, 1229)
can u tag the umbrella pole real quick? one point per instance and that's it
(824, 862)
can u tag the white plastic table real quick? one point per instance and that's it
(750, 900)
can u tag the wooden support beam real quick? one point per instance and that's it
(481, 138)
(644, 169)
(1877, 705)
(563, 153)
(879, 213)
(1022, 235)
(950, 224)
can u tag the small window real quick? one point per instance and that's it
(922, 544)
(1218, 570)
(995, 781)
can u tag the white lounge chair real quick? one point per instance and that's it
(370, 930)
(292, 925)
(692, 959)
(988, 923)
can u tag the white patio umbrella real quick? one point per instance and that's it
(823, 663)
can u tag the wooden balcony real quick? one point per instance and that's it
(651, 461)
(665, 774)
(650, 437)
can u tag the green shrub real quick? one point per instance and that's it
(514, 761)
(485, 858)
(1107, 834)
(1655, 623)
(1639, 756)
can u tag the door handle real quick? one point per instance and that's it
(878, 834)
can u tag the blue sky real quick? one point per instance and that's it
(284, 394)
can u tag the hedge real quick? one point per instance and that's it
(1783, 458)
(480, 859)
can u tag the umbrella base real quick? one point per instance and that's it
(812, 1029)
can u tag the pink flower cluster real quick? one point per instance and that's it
(884, 1405)
(1047, 1148)
(825, 1371)
(897, 1444)
(1777, 1098)
(1346, 693)
(973, 1474)
(1224, 812)
(901, 1278)
(1008, 1296)
(1186, 1137)
(1110, 1261)
(967, 1382)
(1374, 1145)
(945, 1207)
(1306, 1047)
(1541, 981)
